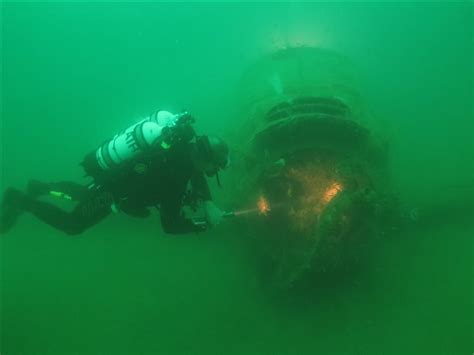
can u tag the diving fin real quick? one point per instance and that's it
(10, 209)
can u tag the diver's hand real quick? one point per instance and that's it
(213, 213)
(200, 227)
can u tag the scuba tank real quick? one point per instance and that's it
(158, 131)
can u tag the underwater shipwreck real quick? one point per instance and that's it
(308, 161)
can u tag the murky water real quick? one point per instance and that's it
(74, 74)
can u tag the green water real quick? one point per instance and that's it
(75, 73)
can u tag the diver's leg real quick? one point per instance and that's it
(67, 189)
(76, 191)
(87, 213)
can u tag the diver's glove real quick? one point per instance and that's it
(199, 227)
(213, 213)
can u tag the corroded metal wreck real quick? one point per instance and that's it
(307, 156)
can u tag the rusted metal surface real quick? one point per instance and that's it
(304, 143)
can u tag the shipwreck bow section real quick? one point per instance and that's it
(307, 156)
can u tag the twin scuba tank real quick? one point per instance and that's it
(153, 134)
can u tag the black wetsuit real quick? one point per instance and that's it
(157, 180)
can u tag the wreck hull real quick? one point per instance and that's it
(305, 146)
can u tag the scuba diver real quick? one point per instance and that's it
(158, 162)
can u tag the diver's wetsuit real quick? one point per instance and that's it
(160, 181)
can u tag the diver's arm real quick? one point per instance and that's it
(200, 187)
(173, 220)
(203, 193)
